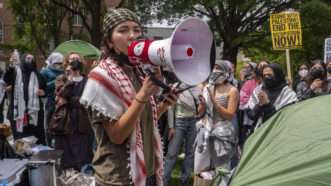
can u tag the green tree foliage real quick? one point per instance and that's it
(316, 26)
(37, 22)
(40, 21)
(143, 8)
(91, 13)
(316, 22)
(233, 21)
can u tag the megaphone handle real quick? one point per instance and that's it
(160, 83)
(157, 81)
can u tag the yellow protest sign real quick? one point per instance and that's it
(286, 30)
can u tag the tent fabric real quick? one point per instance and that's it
(292, 148)
(84, 48)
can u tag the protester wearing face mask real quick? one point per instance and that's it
(76, 74)
(25, 110)
(53, 69)
(216, 139)
(72, 56)
(246, 124)
(249, 85)
(272, 95)
(301, 84)
(259, 69)
(249, 70)
(318, 84)
(77, 138)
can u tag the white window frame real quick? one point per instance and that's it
(77, 20)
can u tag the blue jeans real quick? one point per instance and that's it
(185, 132)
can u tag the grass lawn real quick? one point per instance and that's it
(175, 175)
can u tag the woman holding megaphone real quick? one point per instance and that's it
(123, 111)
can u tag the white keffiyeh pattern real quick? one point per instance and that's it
(2, 89)
(33, 106)
(110, 92)
(285, 97)
(19, 102)
(33, 101)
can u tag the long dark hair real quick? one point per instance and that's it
(108, 51)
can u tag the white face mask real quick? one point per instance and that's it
(217, 77)
(58, 66)
(77, 78)
(303, 73)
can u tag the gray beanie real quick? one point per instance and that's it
(113, 17)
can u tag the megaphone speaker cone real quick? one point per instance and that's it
(187, 52)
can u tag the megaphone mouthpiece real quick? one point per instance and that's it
(138, 51)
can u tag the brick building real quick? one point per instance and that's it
(6, 29)
(7, 23)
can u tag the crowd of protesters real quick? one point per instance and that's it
(45, 104)
(117, 109)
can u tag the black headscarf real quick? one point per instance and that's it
(28, 66)
(273, 90)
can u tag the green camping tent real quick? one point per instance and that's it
(84, 48)
(293, 148)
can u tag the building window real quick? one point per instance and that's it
(2, 32)
(77, 20)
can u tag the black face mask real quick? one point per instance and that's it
(76, 65)
(248, 75)
(316, 73)
(122, 59)
(28, 66)
(269, 82)
(329, 69)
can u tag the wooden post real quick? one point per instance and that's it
(288, 65)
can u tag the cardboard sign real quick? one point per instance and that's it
(286, 30)
(327, 50)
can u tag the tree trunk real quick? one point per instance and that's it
(230, 53)
(96, 34)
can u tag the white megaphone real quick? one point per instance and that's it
(189, 52)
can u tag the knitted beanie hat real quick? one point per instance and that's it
(113, 17)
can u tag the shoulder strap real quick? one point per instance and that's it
(195, 101)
